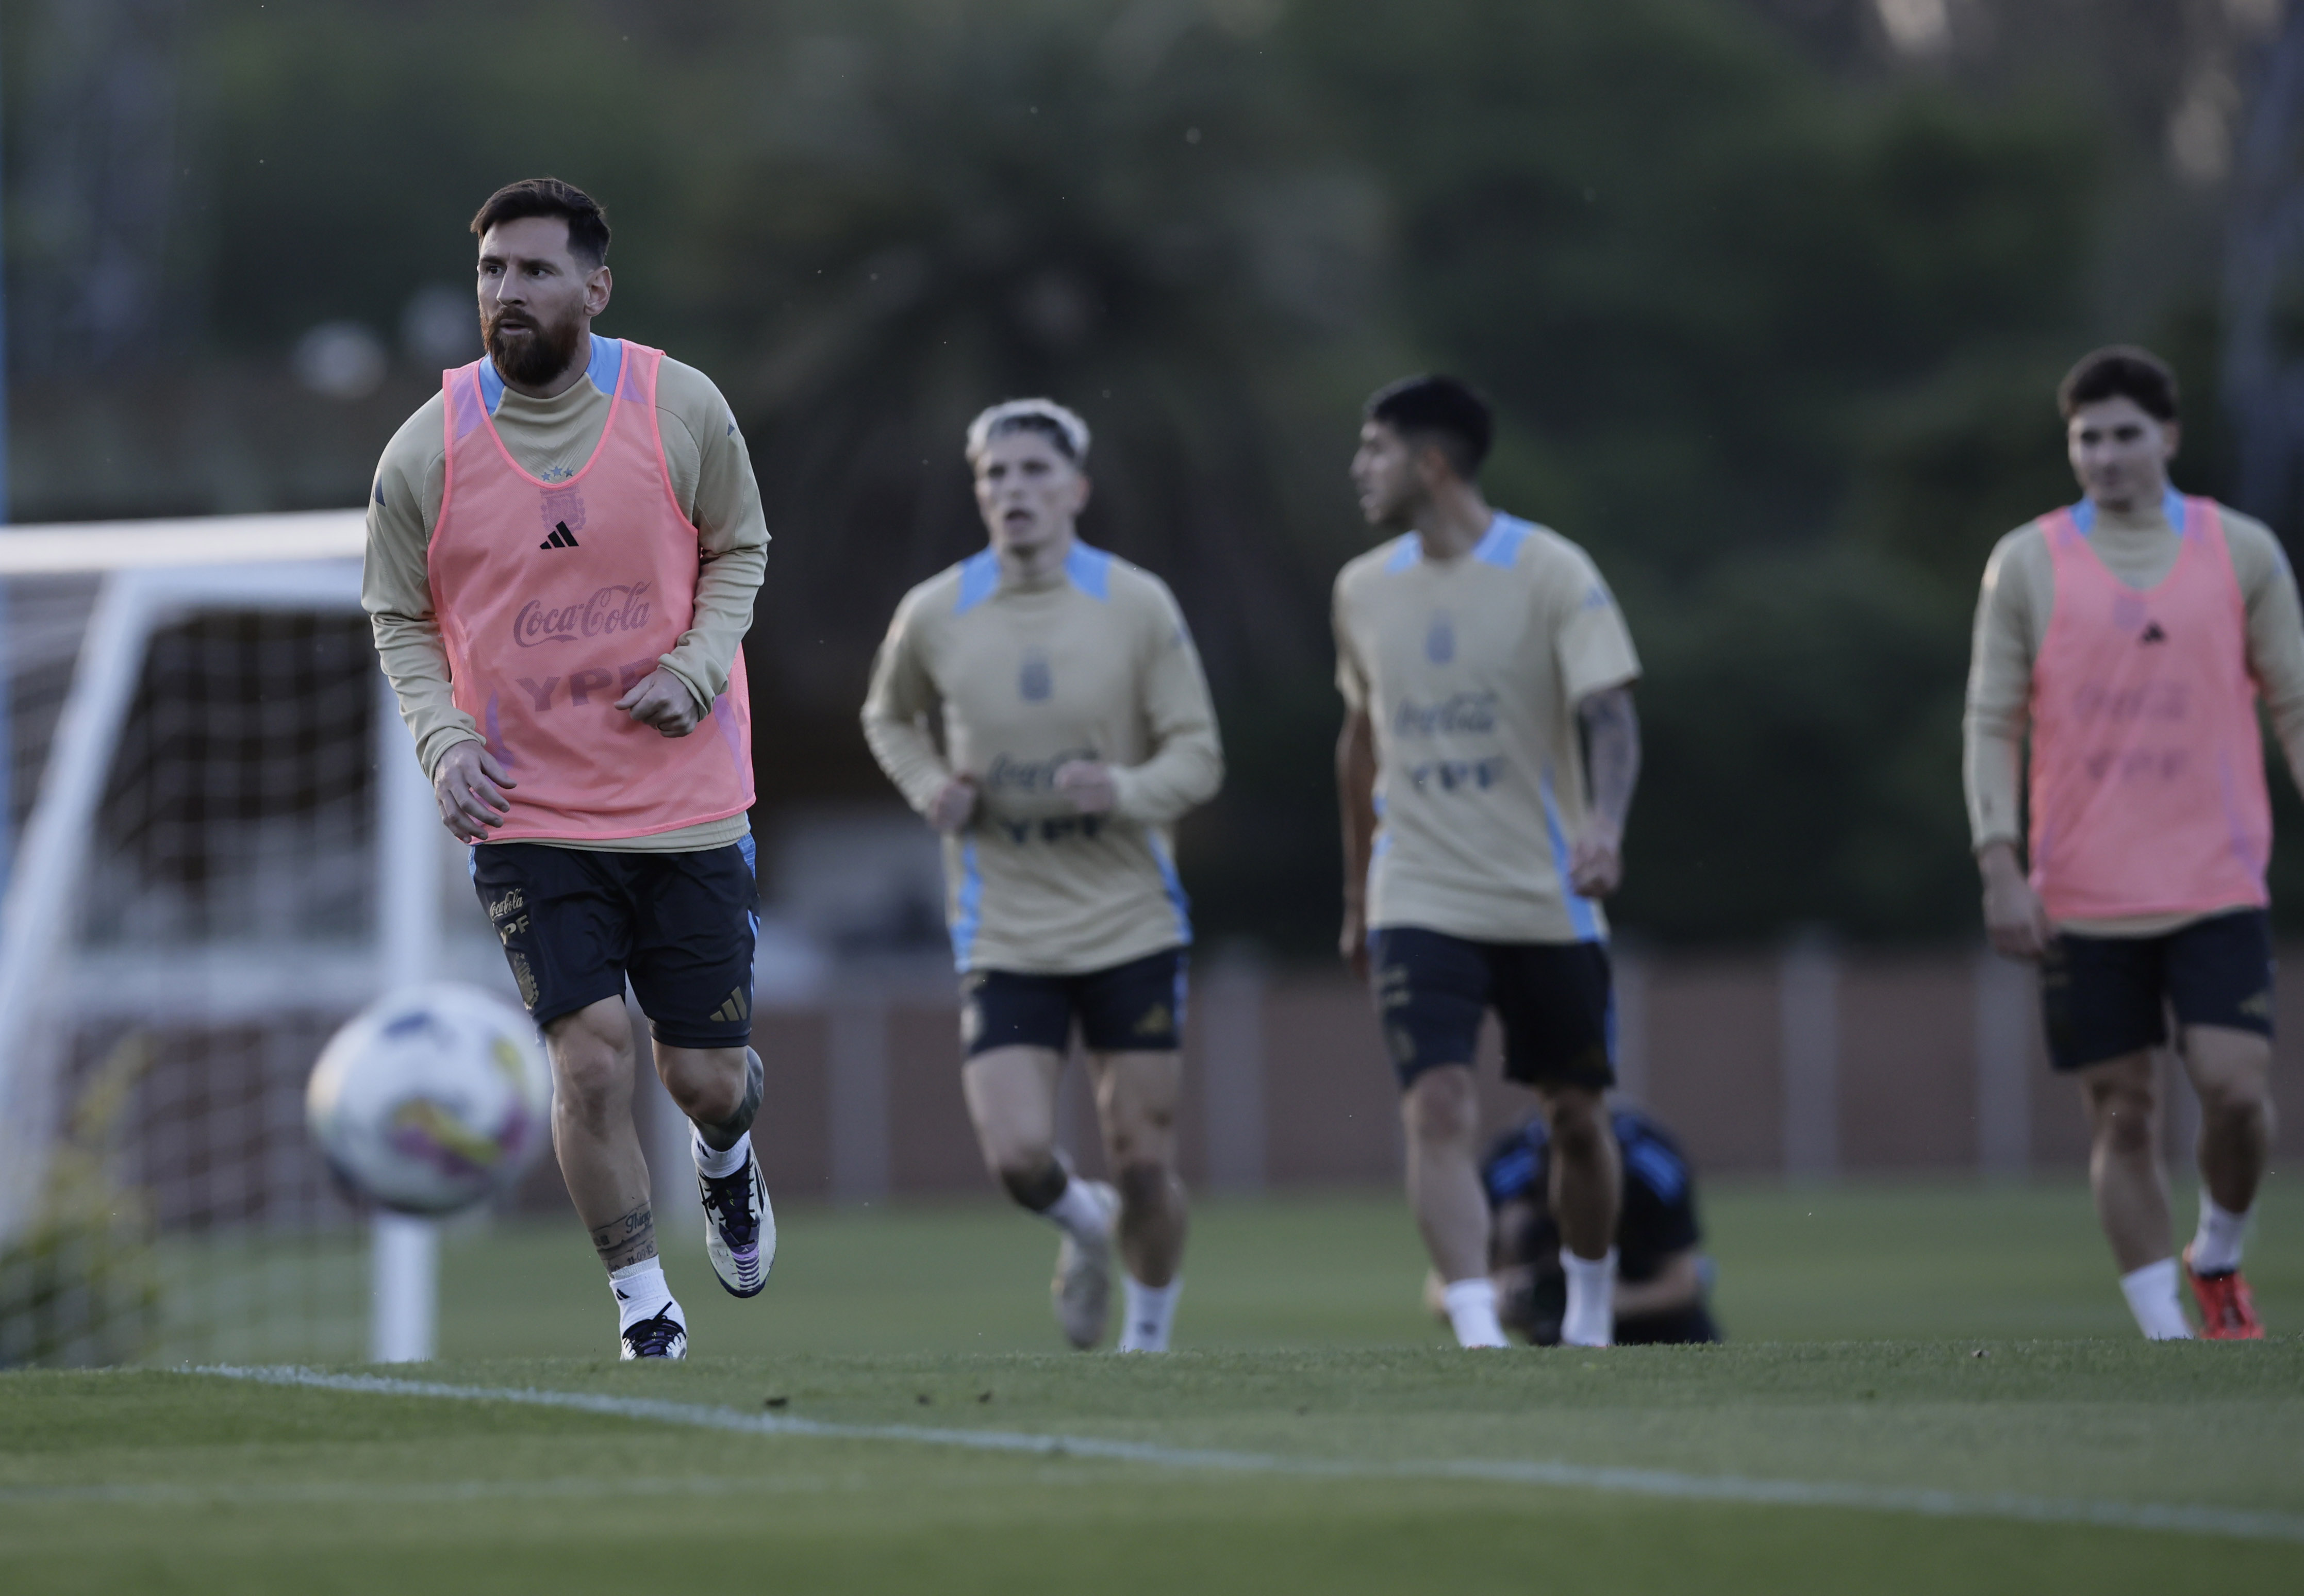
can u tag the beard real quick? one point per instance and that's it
(527, 351)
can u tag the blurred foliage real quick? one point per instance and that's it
(1773, 331)
(80, 1287)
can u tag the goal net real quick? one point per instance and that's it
(217, 846)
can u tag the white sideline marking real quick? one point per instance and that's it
(2231, 1522)
(582, 1488)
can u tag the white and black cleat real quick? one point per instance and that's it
(663, 1336)
(740, 1228)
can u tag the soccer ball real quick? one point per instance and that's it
(432, 1098)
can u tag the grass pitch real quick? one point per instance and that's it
(1315, 1435)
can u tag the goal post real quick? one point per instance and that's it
(228, 849)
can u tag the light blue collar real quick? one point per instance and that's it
(2171, 505)
(1498, 545)
(606, 368)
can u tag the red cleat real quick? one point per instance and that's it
(2227, 1311)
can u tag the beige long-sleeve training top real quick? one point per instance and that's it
(712, 479)
(1094, 665)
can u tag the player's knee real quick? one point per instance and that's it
(1578, 1120)
(1034, 1183)
(2242, 1095)
(2124, 1119)
(1440, 1107)
(1139, 1139)
(1143, 1183)
(714, 1092)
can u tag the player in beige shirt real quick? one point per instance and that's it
(1042, 706)
(1476, 653)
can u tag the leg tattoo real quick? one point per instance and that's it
(627, 1240)
(723, 1133)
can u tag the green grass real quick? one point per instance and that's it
(1916, 1261)
(1858, 1316)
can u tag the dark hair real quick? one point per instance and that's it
(2120, 371)
(588, 224)
(1440, 410)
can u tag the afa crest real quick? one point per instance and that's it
(563, 506)
(1440, 641)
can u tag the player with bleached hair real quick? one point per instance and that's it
(1041, 703)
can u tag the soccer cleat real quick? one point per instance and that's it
(1082, 1288)
(2227, 1310)
(663, 1336)
(740, 1228)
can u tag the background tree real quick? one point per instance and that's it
(1771, 300)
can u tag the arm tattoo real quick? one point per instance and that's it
(1612, 736)
(626, 1241)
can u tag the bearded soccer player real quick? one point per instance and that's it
(1041, 704)
(564, 545)
(1477, 655)
(2131, 634)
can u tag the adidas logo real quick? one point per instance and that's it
(560, 538)
(739, 1006)
(2153, 634)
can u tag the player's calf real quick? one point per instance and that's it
(1587, 1185)
(739, 1225)
(1152, 1225)
(1087, 1212)
(592, 1064)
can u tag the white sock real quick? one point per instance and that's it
(1079, 1214)
(1472, 1312)
(2215, 1245)
(1151, 1310)
(2151, 1293)
(717, 1165)
(1590, 1320)
(641, 1293)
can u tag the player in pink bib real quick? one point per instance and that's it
(2130, 634)
(562, 554)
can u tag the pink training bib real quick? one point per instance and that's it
(554, 598)
(2147, 789)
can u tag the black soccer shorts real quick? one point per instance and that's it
(1132, 1008)
(2106, 996)
(1555, 999)
(576, 922)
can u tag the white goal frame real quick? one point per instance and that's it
(156, 574)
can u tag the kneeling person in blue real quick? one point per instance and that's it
(1663, 1276)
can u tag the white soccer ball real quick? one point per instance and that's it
(433, 1098)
